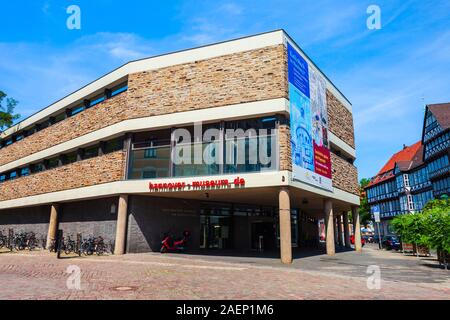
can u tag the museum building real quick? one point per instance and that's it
(102, 160)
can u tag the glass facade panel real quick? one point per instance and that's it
(187, 165)
(149, 163)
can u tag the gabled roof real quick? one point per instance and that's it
(406, 154)
(441, 112)
(407, 158)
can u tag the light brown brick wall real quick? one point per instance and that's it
(106, 168)
(345, 175)
(242, 77)
(284, 141)
(92, 119)
(236, 78)
(340, 120)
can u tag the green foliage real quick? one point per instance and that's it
(430, 228)
(364, 208)
(7, 115)
(437, 216)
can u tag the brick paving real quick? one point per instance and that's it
(39, 275)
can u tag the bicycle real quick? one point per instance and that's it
(69, 245)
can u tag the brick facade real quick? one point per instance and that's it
(236, 78)
(345, 175)
(106, 168)
(340, 120)
(284, 141)
(102, 115)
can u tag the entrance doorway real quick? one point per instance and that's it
(215, 232)
(263, 235)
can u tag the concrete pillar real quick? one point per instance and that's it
(339, 220)
(285, 226)
(121, 229)
(346, 231)
(329, 223)
(52, 225)
(357, 224)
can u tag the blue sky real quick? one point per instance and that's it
(387, 74)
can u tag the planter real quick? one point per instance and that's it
(444, 258)
(408, 248)
(423, 251)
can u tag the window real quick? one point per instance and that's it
(52, 163)
(38, 167)
(410, 203)
(406, 180)
(59, 117)
(77, 110)
(113, 145)
(119, 89)
(97, 100)
(70, 158)
(90, 152)
(24, 171)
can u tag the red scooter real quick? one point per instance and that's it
(171, 245)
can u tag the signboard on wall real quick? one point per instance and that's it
(311, 160)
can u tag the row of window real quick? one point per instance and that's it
(438, 164)
(151, 152)
(430, 122)
(418, 177)
(64, 159)
(108, 93)
(438, 144)
(421, 199)
(402, 181)
(441, 186)
(389, 207)
(382, 189)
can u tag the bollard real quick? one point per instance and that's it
(78, 245)
(59, 243)
(10, 239)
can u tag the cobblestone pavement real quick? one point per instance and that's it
(39, 275)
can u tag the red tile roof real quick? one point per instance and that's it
(407, 154)
(407, 158)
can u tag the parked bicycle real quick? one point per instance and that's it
(3, 240)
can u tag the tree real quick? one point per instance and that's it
(364, 208)
(430, 228)
(437, 227)
(411, 228)
(7, 115)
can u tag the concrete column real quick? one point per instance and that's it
(339, 220)
(329, 223)
(285, 226)
(357, 224)
(52, 225)
(121, 229)
(346, 231)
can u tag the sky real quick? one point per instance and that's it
(388, 74)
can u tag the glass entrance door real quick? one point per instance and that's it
(215, 232)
